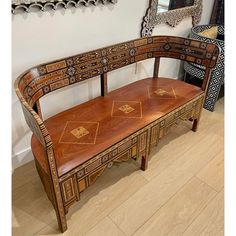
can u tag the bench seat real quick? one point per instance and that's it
(82, 132)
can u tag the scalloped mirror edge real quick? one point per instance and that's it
(43, 5)
(172, 17)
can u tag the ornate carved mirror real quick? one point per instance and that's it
(44, 5)
(170, 12)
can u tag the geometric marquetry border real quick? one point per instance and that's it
(44, 5)
(217, 75)
(172, 17)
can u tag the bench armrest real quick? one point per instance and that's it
(33, 120)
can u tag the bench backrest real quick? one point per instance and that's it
(45, 78)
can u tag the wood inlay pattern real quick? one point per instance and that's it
(127, 109)
(79, 132)
(73, 148)
(68, 190)
(161, 92)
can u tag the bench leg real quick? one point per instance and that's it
(59, 208)
(54, 196)
(195, 125)
(61, 220)
(144, 162)
(56, 191)
(196, 122)
(146, 141)
(197, 118)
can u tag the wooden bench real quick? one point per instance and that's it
(74, 147)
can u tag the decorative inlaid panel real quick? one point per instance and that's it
(161, 92)
(51, 76)
(93, 177)
(80, 173)
(124, 157)
(134, 151)
(127, 109)
(93, 166)
(56, 66)
(96, 168)
(189, 111)
(79, 132)
(143, 142)
(82, 185)
(154, 135)
(68, 190)
(124, 146)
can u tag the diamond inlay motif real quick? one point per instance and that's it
(79, 132)
(167, 47)
(162, 92)
(126, 108)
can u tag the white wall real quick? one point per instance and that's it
(42, 37)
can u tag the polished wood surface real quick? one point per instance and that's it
(108, 124)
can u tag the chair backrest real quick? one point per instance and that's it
(48, 77)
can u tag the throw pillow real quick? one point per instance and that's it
(209, 33)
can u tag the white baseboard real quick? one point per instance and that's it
(22, 158)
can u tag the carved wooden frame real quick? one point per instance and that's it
(42, 5)
(172, 18)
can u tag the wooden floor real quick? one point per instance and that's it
(181, 192)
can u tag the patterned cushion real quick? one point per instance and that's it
(210, 33)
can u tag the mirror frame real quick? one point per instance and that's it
(172, 17)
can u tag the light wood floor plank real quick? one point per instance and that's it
(105, 228)
(143, 204)
(213, 173)
(211, 220)
(31, 198)
(25, 224)
(175, 216)
(23, 175)
(111, 189)
(180, 139)
(173, 146)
